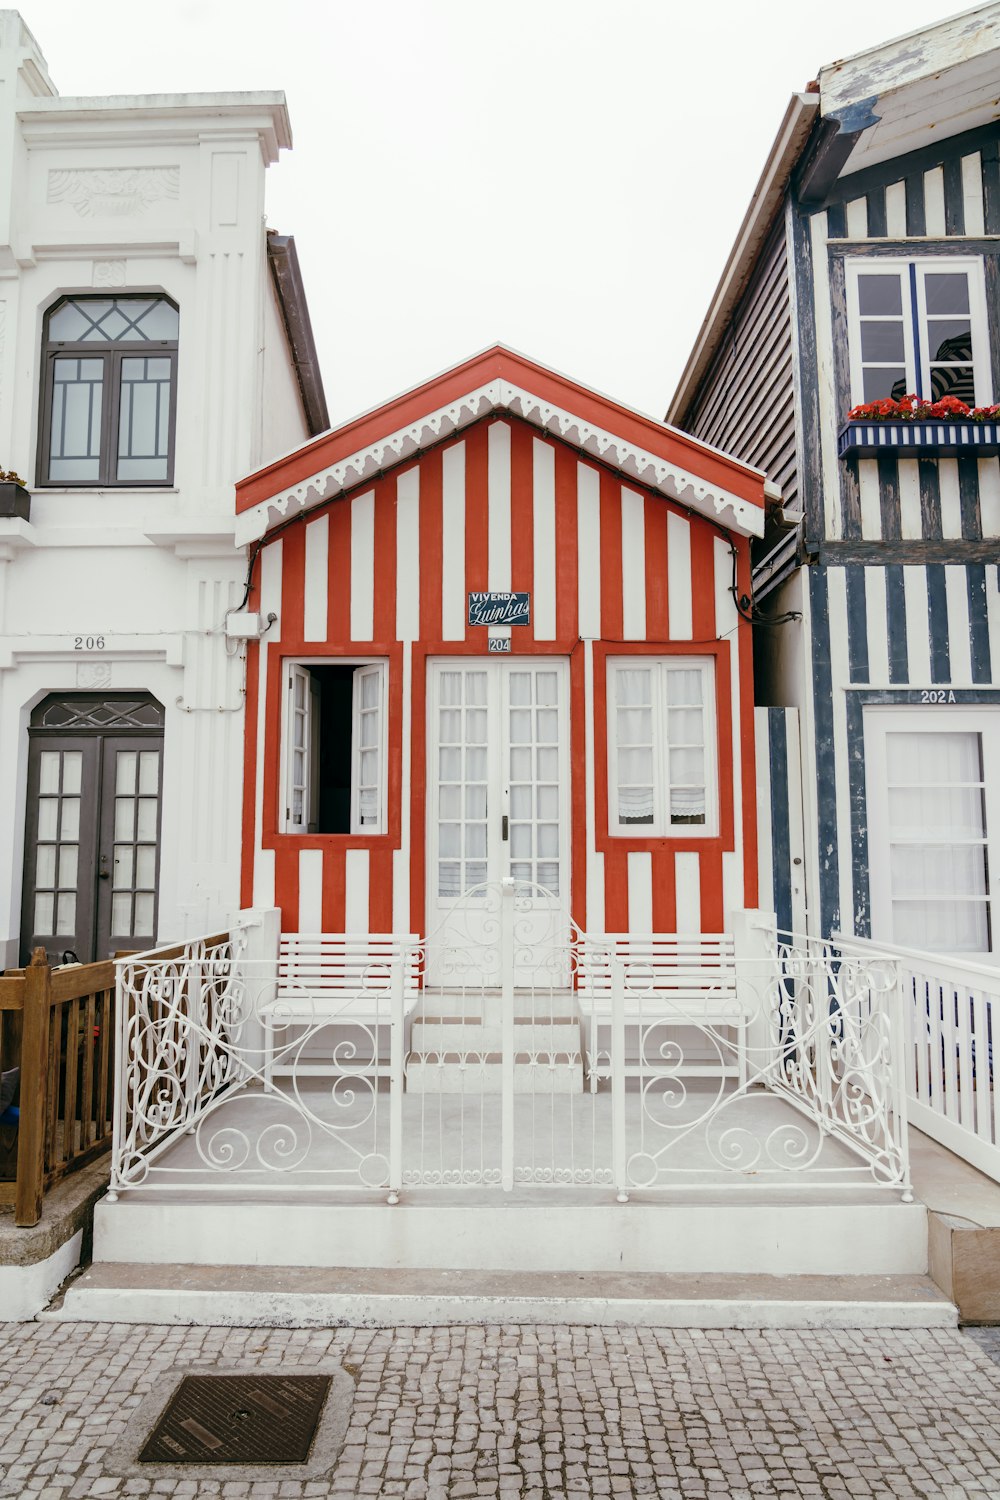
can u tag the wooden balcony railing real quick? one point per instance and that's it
(57, 1028)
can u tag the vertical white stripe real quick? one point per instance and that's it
(959, 644)
(993, 616)
(895, 210)
(972, 192)
(733, 895)
(263, 859)
(829, 404)
(633, 565)
(270, 587)
(918, 645)
(263, 878)
(841, 676)
(363, 566)
(909, 500)
(454, 603)
(871, 508)
(310, 890)
(498, 569)
(317, 576)
(796, 822)
(989, 495)
(588, 573)
(857, 219)
(687, 874)
(878, 629)
(951, 502)
(401, 856)
(934, 200)
(765, 792)
(356, 882)
(595, 860)
(640, 892)
(543, 603)
(679, 625)
(408, 568)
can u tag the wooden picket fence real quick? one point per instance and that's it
(57, 1027)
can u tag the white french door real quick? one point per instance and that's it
(498, 807)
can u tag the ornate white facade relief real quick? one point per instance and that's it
(113, 192)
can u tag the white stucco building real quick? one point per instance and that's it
(154, 346)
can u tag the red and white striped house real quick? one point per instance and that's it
(506, 642)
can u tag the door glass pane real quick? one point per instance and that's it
(48, 771)
(44, 905)
(66, 913)
(125, 818)
(68, 866)
(72, 771)
(144, 915)
(125, 772)
(123, 867)
(121, 915)
(145, 867)
(45, 865)
(69, 827)
(534, 719)
(149, 772)
(48, 818)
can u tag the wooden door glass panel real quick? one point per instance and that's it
(60, 847)
(130, 824)
(533, 770)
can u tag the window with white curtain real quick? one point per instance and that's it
(933, 824)
(661, 738)
(335, 747)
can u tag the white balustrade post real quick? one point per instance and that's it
(899, 1051)
(755, 947)
(255, 937)
(619, 1142)
(124, 1005)
(397, 1061)
(508, 893)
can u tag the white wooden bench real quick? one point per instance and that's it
(339, 979)
(671, 980)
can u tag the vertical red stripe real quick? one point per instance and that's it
(248, 851)
(664, 891)
(710, 866)
(339, 580)
(611, 558)
(380, 890)
(293, 582)
(616, 891)
(578, 710)
(286, 886)
(657, 627)
(334, 889)
(703, 627)
(522, 521)
(477, 519)
(431, 545)
(384, 613)
(567, 597)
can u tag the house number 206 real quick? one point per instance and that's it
(88, 643)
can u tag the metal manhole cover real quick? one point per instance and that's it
(239, 1419)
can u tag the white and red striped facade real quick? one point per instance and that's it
(500, 475)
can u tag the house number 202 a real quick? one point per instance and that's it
(88, 643)
(937, 695)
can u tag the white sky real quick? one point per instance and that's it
(562, 176)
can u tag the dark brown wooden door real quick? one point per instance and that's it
(92, 827)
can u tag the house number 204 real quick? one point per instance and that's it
(88, 643)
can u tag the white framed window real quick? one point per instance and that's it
(933, 826)
(662, 776)
(918, 327)
(335, 746)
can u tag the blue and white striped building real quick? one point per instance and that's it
(869, 266)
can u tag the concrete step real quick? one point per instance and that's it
(451, 1035)
(541, 1071)
(306, 1296)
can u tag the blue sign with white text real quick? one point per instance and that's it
(499, 609)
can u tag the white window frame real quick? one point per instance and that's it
(918, 381)
(288, 822)
(661, 826)
(879, 721)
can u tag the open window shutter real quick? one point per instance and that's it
(367, 775)
(634, 708)
(298, 729)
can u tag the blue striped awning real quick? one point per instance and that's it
(941, 439)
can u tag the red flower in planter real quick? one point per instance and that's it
(915, 409)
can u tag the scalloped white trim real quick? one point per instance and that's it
(644, 468)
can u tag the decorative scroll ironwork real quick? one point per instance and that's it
(597, 1062)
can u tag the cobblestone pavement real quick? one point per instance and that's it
(541, 1412)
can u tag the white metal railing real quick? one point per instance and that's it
(952, 1037)
(778, 1068)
